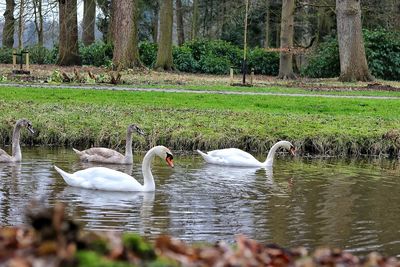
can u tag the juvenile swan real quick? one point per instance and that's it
(240, 158)
(106, 155)
(102, 178)
(16, 155)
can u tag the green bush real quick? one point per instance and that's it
(38, 54)
(184, 60)
(263, 62)
(213, 64)
(6, 55)
(383, 53)
(148, 53)
(97, 54)
(324, 63)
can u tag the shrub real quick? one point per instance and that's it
(214, 65)
(184, 60)
(324, 63)
(97, 54)
(383, 53)
(6, 55)
(148, 53)
(38, 54)
(263, 62)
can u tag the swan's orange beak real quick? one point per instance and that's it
(170, 161)
(293, 151)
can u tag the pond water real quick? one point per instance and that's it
(351, 204)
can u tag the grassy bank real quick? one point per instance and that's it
(82, 118)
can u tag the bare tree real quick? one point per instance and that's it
(9, 22)
(353, 62)
(267, 24)
(195, 19)
(38, 13)
(179, 22)
(89, 16)
(164, 53)
(21, 24)
(286, 37)
(68, 40)
(124, 27)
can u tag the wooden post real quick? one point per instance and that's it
(14, 56)
(252, 76)
(27, 60)
(231, 75)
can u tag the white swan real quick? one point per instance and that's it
(102, 178)
(16, 154)
(240, 158)
(106, 155)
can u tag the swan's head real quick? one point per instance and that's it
(25, 123)
(133, 128)
(287, 145)
(165, 154)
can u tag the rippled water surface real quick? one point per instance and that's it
(352, 204)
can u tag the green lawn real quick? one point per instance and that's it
(185, 121)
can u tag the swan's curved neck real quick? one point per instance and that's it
(148, 180)
(16, 149)
(128, 147)
(271, 154)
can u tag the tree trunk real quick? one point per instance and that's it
(266, 25)
(21, 24)
(37, 7)
(126, 53)
(89, 17)
(179, 23)
(286, 58)
(155, 23)
(164, 53)
(68, 42)
(9, 22)
(353, 62)
(195, 19)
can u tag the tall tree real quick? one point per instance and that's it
(21, 24)
(266, 26)
(68, 41)
(164, 53)
(124, 19)
(195, 20)
(286, 37)
(38, 13)
(9, 23)
(353, 62)
(154, 24)
(179, 22)
(89, 17)
(104, 19)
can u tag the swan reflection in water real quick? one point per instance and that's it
(243, 178)
(110, 210)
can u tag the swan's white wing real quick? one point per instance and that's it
(231, 153)
(232, 157)
(101, 178)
